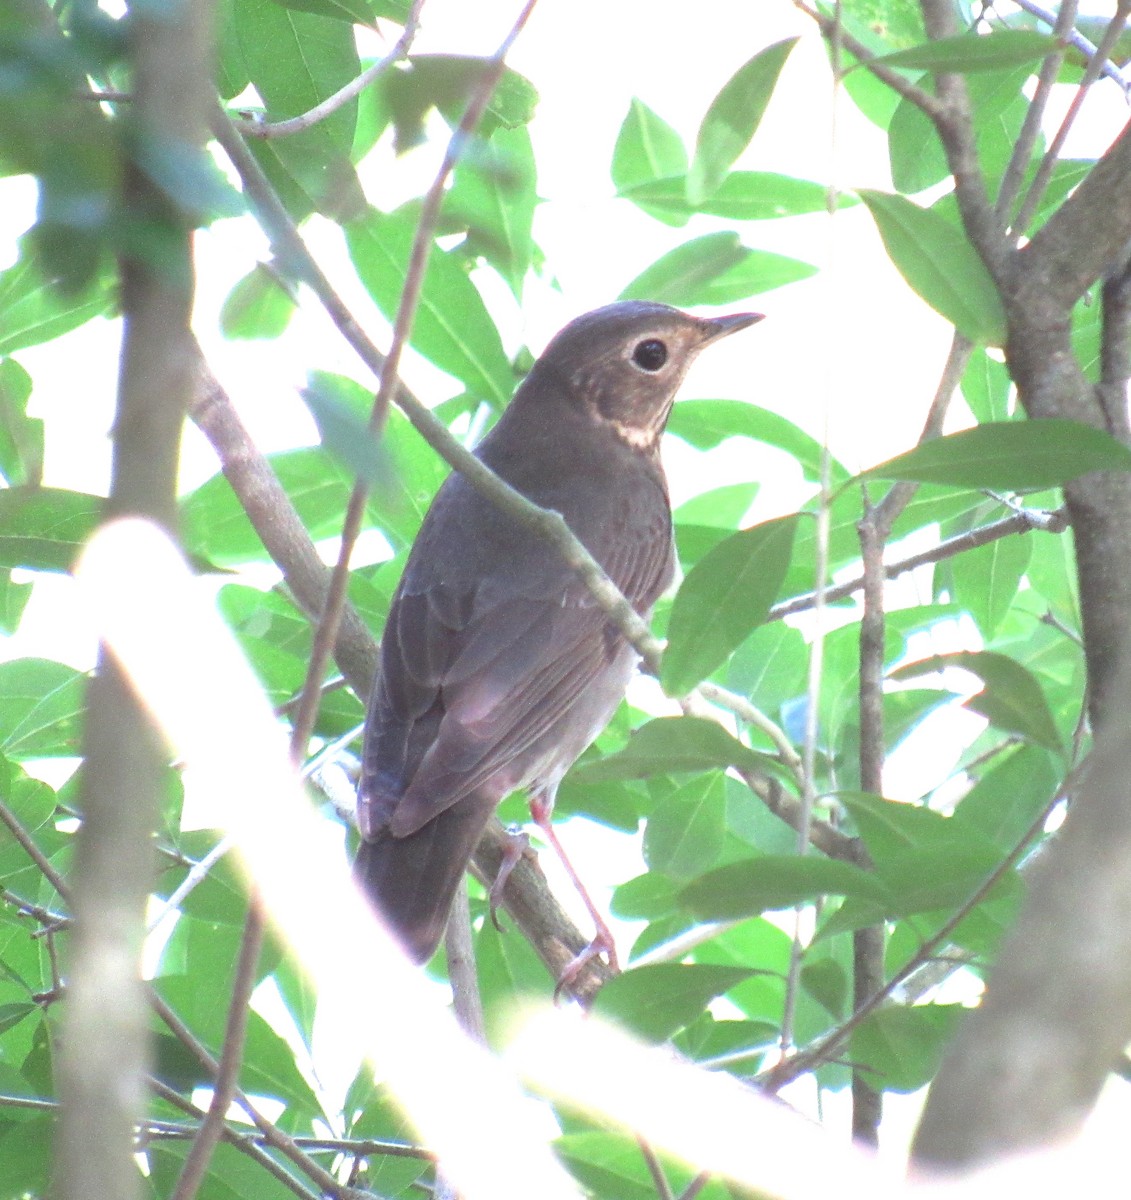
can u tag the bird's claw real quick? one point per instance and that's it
(518, 842)
(601, 944)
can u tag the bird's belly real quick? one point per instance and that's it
(541, 766)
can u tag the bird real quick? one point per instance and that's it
(497, 666)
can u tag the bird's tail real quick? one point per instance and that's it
(411, 880)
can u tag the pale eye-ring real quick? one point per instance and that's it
(650, 354)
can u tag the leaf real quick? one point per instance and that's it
(493, 196)
(685, 834)
(672, 745)
(773, 882)
(33, 311)
(343, 432)
(1012, 698)
(1003, 804)
(21, 436)
(43, 529)
(986, 579)
(901, 1047)
(706, 424)
(1009, 456)
(654, 1001)
(726, 595)
(296, 60)
(742, 196)
(966, 53)
(452, 325)
(732, 119)
(648, 149)
(258, 306)
(938, 263)
(713, 269)
(41, 705)
(353, 12)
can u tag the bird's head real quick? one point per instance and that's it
(624, 363)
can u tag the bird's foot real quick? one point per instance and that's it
(518, 842)
(601, 944)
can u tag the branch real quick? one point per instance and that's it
(1080, 241)
(1056, 21)
(271, 513)
(1091, 74)
(1022, 521)
(868, 944)
(269, 129)
(1034, 116)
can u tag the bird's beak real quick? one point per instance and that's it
(720, 327)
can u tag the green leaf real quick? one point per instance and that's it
(685, 834)
(1009, 456)
(452, 325)
(648, 149)
(970, 52)
(41, 705)
(773, 882)
(43, 529)
(1012, 698)
(493, 196)
(732, 119)
(726, 595)
(32, 309)
(706, 424)
(901, 1047)
(938, 262)
(671, 745)
(654, 1001)
(216, 526)
(21, 436)
(1003, 804)
(713, 269)
(296, 60)
(986, 579)
(260, 305)
(353, 12)
(344, 433)
(742, 196)
(985, 387)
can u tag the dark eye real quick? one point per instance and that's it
(650, 355)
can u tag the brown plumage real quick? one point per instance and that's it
(497, 666)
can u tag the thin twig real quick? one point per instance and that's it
(1052, 155)
(353, 89)
(1019, 522)
(868, 943)
(245, 1143)
(33, 851)
(825, 1048)
(231, 1056)
(1034, 113)
(1054, 20)
(922, 100)
(655, 1169)
(272, 1135)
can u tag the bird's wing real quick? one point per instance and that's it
(473, 675)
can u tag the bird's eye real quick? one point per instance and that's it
(650, 355)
